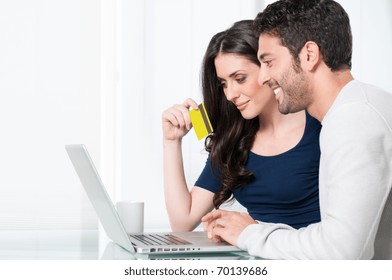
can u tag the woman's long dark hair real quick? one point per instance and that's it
(233, 136)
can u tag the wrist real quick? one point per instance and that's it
(172, 143)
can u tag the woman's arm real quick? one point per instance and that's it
(184, 208)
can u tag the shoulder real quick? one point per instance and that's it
(358, 120)
(360, 107)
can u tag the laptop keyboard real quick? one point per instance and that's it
(160, 239)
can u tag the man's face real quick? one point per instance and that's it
(287, 79)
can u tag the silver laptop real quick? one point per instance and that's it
(149, 243)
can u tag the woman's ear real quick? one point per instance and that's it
(310, 56)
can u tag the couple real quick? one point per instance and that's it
(286, 61)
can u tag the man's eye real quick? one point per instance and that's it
(267, 62)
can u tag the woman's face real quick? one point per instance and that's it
(239, 79)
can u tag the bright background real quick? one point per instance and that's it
(100, 72)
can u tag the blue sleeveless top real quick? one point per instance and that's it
(285, 186)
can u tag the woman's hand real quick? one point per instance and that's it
(176, 120)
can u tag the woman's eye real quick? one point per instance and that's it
(222, 84)
(240, 79)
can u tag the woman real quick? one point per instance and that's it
(267, 161)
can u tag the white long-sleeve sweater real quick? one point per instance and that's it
(355, 181)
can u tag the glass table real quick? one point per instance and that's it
(81, 245)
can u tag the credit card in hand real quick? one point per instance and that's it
(201, 122)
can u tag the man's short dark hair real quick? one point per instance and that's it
(324, 22)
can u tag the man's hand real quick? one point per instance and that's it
(226, 225)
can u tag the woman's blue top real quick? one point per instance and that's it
(285, 186)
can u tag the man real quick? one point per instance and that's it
(305, 49)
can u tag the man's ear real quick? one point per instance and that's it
(310, 56)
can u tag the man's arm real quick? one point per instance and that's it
(355, 180)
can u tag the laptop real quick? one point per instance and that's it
(143, 243)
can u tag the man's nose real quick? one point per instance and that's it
(263, 77)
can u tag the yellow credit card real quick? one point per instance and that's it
(201, 122)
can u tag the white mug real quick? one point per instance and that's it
(131, 215)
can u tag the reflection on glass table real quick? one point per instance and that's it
(49, 244)
(82, 245)
(115, 252)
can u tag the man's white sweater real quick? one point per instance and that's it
(355, 181)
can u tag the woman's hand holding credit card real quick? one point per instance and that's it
(179, 119)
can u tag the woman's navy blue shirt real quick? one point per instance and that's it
(285, 186)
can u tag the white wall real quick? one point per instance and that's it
(372, 40)
(50, 96)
